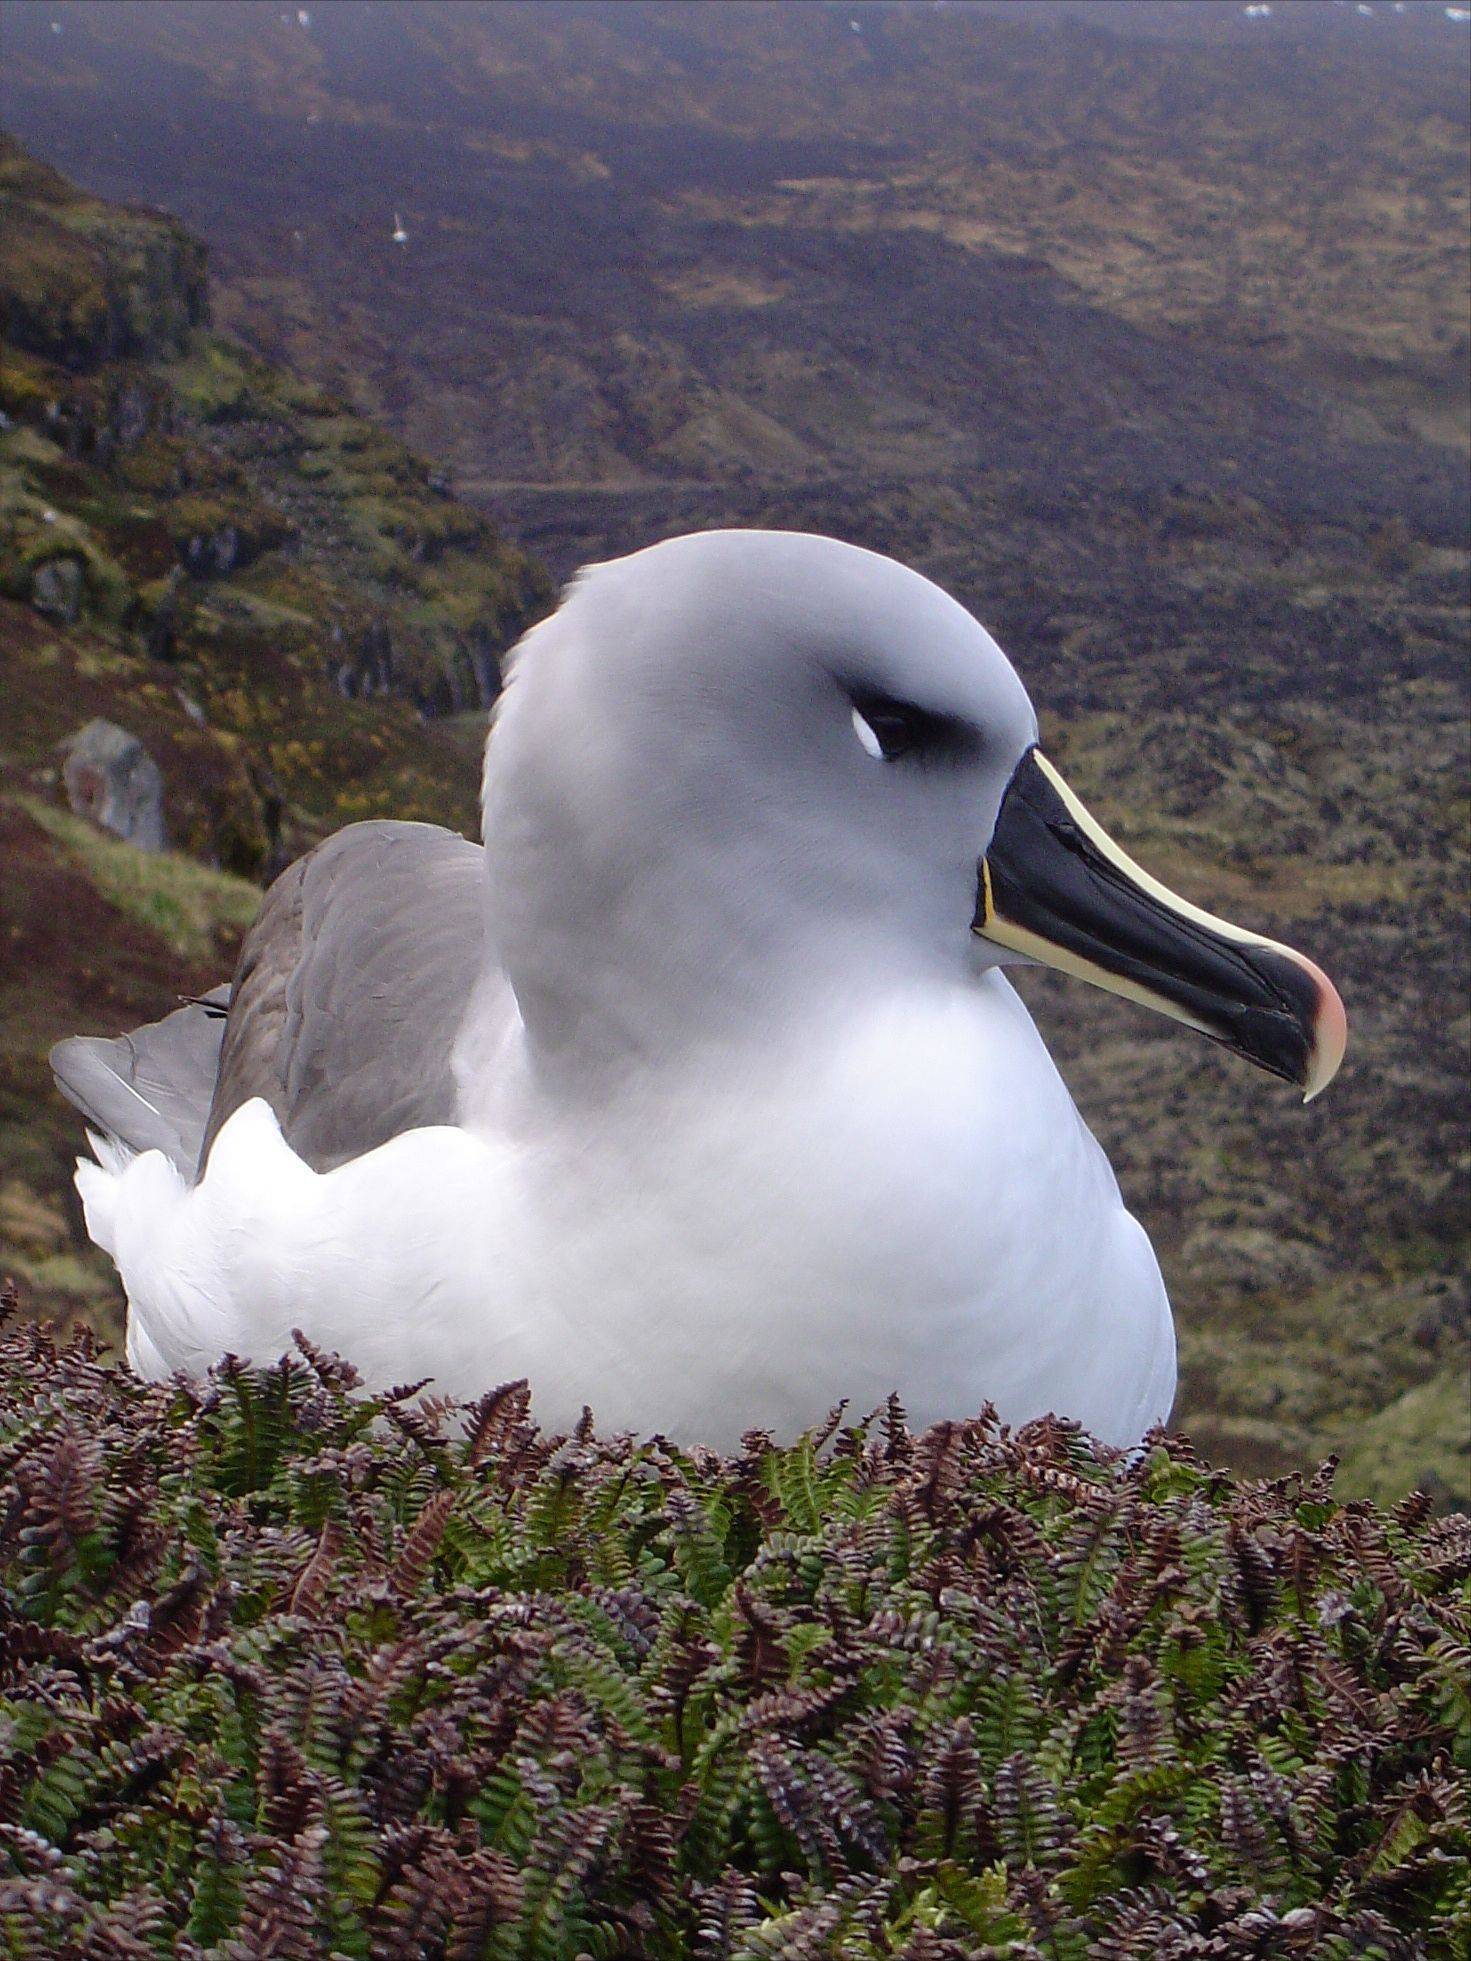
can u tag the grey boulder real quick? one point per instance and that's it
(111, 779)
(56, 588)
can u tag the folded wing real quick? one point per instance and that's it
(150, 1090)
(343, 1012)
(351, 988)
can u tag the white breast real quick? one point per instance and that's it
(906, 1199)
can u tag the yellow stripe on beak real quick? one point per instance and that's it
(1057, 889)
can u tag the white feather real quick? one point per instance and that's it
(859, 1190)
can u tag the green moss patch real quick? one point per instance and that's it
(1422, 1436)
(184, 903)
(82, 281)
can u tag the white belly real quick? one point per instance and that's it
(909, 1204)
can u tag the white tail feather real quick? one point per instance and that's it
(112, 1154)
(98, 1191)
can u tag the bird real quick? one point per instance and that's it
(400, 236)
(698, 1093)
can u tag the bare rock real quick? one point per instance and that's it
(111, 779)
(56, 588)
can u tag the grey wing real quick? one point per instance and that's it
(151, 1089)
(351, 988)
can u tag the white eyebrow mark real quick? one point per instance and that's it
(867, 737)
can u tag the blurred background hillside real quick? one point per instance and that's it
(334, 336)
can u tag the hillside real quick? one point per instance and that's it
(1148, 340)
(275, 597)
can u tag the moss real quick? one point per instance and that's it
(317, 467)
(33, 535)
(82, 282)
(185, 903)
(213, 380)
(1422, 1438)
(35, 1224)
(80, 1286)
(28, 387)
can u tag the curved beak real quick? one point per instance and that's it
(1055, 887)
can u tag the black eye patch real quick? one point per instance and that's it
(906, 732)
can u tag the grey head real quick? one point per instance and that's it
(733, 765)
(742, 766)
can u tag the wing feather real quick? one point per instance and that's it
(149, 1090)
(351, 988)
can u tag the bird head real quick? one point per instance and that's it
(747, 757)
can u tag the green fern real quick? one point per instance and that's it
(281, 1663)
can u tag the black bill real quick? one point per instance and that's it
(1055, 887)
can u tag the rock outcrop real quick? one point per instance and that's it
(56, 588)
(111, 779)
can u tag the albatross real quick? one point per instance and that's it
(697, 1094)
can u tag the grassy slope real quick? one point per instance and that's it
(271, 591)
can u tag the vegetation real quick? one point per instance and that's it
(289, 1671)
(280, 601)
(1142, 329)
(1149, 345)
(255, 560)
(183, 902)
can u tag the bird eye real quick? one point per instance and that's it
(890, 729)
(886, 732)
